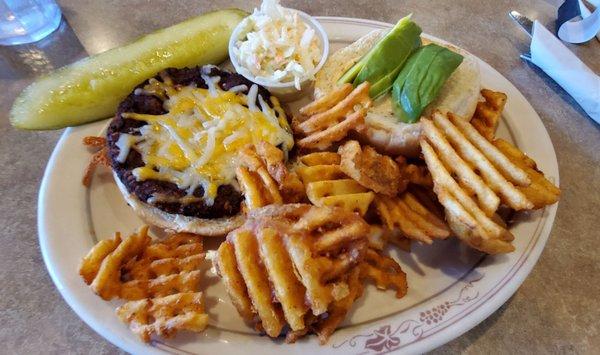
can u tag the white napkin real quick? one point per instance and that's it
(582, 28)
(554, 58)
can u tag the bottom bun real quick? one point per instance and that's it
(214, 227)
(391, 138)
(382, 128)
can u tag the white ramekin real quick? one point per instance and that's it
(284, 91)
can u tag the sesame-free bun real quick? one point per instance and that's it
(213, 227)
(459, 95)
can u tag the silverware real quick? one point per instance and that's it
(526, 24)
(522, 20)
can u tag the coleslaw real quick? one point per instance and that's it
(279, 46)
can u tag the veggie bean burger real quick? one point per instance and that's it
(174, 141)
(394, 143)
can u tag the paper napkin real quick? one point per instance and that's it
(554, 58)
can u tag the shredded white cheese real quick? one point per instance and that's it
(211, 82)
(239, 88)
(196, 143)
(124, 144)
(252, 93)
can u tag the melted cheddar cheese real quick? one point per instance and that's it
(196, 142)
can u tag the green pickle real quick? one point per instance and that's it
(91, 89)
(421, 80)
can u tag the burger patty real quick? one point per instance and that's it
(228, 199)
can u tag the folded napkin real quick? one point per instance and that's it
(554, 58)
(578, 23)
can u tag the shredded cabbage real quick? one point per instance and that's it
(279, 47)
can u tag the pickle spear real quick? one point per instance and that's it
(91, 89)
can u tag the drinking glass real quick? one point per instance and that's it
(26, 21)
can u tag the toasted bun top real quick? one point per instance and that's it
(459, 95)
(179, 223)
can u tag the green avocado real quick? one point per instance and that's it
(381, 64)
(421, 80)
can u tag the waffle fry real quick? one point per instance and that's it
(133, 268)
(463, 163)
(541, 192)
(264, 178)
(160, 280)
(330, 118)
(370, 169)
(480, 167)
(339, 308)
(90, 265)
(384, 272)
(101, 268)
(408, 214)
(379, 237)
(165, 316)
(488, 113)
(291, 261)
(415, 174)
(327, 185)
(99, 158)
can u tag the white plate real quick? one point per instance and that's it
(451, 287)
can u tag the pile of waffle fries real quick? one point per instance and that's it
(318, 227)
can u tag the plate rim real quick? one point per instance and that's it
(478, 314)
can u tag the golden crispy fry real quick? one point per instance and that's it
(472, 175)
(330, 118)
(289, 184)
(321, 140)
(257, 192)
(93, 141)
(370, 169)
(384, 272)
(479, 166)
(541, 191)
(264, 178)
(165, 316)
(339, 309)
(107, 281)
(327, 102)
(379, 237)
(321, 158)
(99, 158)
(508, 170)
(88, 269)
(465, 174)
(288, 261)
(488, 113)
(327, 185)
(320, 119)
(415, 174)
(411, 217)
(257, 281)
(161, 286)
(325, 326)
(400, 241)
(161, 280)
(226, 267)
(289, 290)
(484, 234)
(134, 269)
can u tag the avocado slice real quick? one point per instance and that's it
(388, 56)
(421, 80)
(381, 64)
